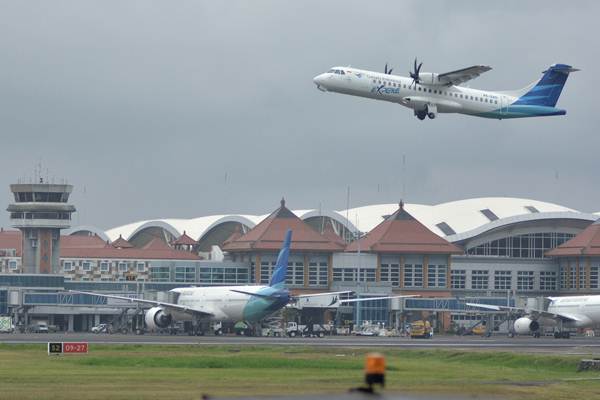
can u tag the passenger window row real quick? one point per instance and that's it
(435, 91)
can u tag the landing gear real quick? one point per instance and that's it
(430, 111)
(562, 335)
(536, 334)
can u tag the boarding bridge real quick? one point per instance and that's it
(454, 305)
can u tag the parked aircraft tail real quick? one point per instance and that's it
(278, 278)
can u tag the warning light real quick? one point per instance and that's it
(375, 370)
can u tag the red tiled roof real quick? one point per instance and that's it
(402, 233)
(94, 247)
(587, 243)
(11, 240)
(269, 234)
(184, 240)
(237, 233)
(121, 243)
(82, 241)
(330, 234)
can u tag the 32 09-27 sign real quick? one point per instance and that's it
(67, 347)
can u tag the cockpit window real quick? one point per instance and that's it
(331, 71)
(342, 72)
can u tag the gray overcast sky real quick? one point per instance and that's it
(191, 108)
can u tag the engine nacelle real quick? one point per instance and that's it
(156, 318)
(429, 78)
(525, 326)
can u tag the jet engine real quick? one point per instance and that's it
(156, 317)
(526, 325)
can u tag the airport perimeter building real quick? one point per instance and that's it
(487, 249)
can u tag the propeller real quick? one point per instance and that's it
(387, 71)
(415, 74)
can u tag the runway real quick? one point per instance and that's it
(578, 345)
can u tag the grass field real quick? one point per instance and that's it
(187, 372)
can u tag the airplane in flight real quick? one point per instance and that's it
(430, 93)
(250, 304)
(563, 312)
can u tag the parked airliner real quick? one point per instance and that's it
(251, 304)
(564, 312)
(430, 93)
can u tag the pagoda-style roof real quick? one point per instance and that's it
(184, 240)
(401, 233)
(329, 233)
(237, 233)
(121, 243)
(268, 235)
(83, 246)
(587, 243)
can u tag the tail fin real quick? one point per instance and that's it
(278, 278)
(547, 90)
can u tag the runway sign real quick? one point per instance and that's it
(67, 348)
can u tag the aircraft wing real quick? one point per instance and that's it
(172, 306)
(541, 313)
(462, 75)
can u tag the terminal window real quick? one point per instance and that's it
(185, 274)
(160, 274)
(582, 276)
(104, 266)
(391, 273)
(547, 280)
(594, 277)
(413, 275)
(479, 279)
(436, 276)
(502, 280)
(295, 273)
(525, 280)
(459, 278)
(317, 274)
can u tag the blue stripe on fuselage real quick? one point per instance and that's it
(522, 111)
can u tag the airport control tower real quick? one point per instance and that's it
(40, 211)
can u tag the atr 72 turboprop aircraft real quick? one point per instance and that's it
(563, 312)
(430, 93)
(251, 304)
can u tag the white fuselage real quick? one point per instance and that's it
(402, 90)
(585, 308)
(221, 301)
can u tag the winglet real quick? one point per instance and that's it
(278, 278)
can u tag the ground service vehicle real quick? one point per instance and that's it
(421, 329)
(102, 328)
(39, 327)
(293, 329)
(6, 325)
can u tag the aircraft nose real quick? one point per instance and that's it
(319, 80)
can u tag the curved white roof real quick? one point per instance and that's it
(464, 217)
(461, 215)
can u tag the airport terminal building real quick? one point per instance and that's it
(493, 250)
